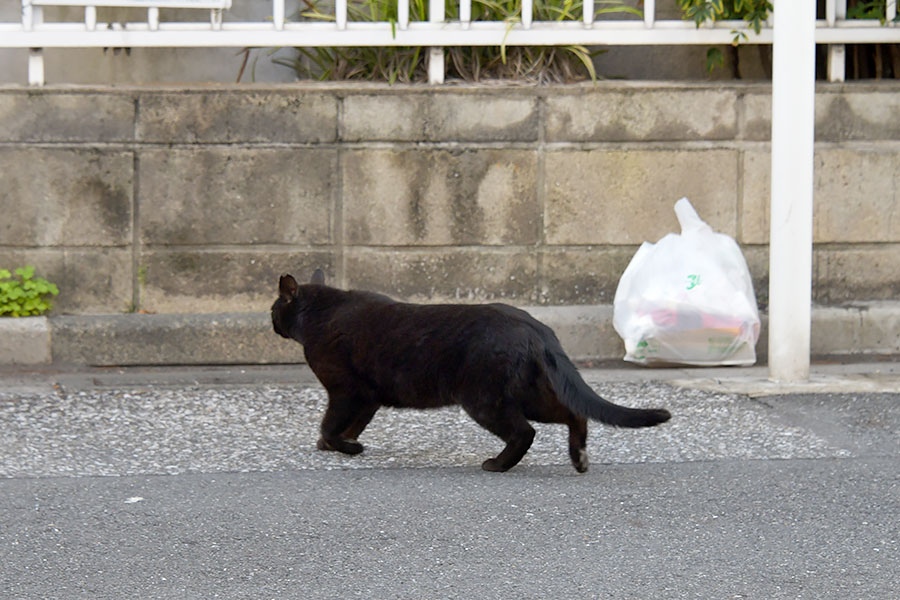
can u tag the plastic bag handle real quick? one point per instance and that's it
(688, 217)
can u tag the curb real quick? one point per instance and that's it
(863, 330)
(25, 341)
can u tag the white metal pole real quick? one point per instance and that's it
(527, 13)
(587, 13)
(790, 236)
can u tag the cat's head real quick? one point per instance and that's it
(287, 307)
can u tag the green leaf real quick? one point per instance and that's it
(509, 26)
(584, 56)
(714, 58)
(619, 9)
(738, 36)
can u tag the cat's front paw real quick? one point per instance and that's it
(350, 447)
(346, 446)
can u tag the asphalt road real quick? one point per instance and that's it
(166, 487)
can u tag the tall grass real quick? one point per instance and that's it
(541, 64)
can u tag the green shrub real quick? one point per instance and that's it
(866, 60)
(868, 9)
(25, 294)
(753, 12)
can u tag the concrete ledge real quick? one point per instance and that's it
(586, 332)
(869, 330)
(24, 341)
(137, 339)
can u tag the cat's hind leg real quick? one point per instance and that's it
(507, 423)
(544, 408)
(363, 418)
(578, 442)
(340, 416)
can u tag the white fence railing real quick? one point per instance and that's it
(794, 35)
(276, 30)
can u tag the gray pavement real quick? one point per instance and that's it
(205, 483)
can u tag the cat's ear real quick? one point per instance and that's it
(318, 277)
(287, 287)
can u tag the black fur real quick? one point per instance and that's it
(497, 362)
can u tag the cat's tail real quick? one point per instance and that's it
(578, 396)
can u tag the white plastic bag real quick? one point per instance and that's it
(688, 299)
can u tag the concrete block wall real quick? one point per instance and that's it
(194, 200)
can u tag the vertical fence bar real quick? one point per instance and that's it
(891, 11)
(403, 13)
(465, 13)
(790, 235)
(340, 13)
(153, 18)
(527, 13)
(837, 53)
(649, 13)
(90, 18)
(435, 53)
(587, 13)
(36, 66)
(27, 16)
(837, 62)
(278, 14)
(31, 16)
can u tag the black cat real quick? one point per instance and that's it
(497, 362)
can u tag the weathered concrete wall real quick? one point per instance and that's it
(195, 200)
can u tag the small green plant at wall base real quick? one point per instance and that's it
(24, 295)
